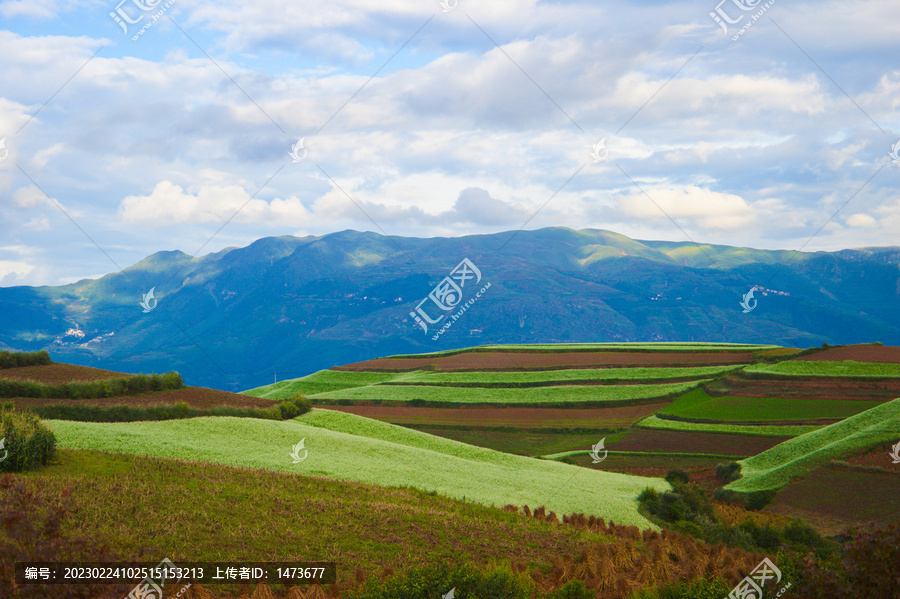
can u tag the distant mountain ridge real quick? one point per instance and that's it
(231, 319)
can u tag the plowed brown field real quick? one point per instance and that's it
(641, 439)
(818, 388)
(511, 417)
(59, 373)
(860, 353)
(832, 499)
(550, 361)
(195, 397)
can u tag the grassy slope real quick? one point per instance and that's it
(750, 429)
(535, 395)
(848, 368)
(775, 467)
(350, 447)
(699, 405)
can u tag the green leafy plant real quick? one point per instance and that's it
(27, 444)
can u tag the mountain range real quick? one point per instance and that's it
(288, 306)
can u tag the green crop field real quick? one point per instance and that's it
(531, 395)
(844, 368)
(345, 446)
(568, 347)
(739, 429)
(774, 468)
(697, 404)
(322, 382)
(513, 379)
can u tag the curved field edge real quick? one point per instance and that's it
(511, 395)
(775, 467)
(638, 347)
(344, 446)
(325, 381)
(654, 422)
(829, 368)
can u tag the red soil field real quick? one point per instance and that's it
(860, 353)
(818, 388)
(550, 361)
(833, 499)
(512, 417)
(879, 456)
(641, 439)
(59, 373)
(195, 397)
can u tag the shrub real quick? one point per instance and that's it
(435, 581)
(677, 476)
(131, 385)
(15, 359)
(757, 500)
(726, 473)
(296, 406)
(27, 443)
(702, 588)
(574, 589)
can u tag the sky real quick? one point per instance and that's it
(132, 127)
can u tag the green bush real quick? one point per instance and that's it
(574, 589)
(27, 444)
(436, 581)
(82, 413)
(677, 475)
(701, 588)
(16, 359)
(132, 385)
(757, 500)
(296, 406)
(726, 473)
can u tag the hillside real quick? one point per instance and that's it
(285, 306)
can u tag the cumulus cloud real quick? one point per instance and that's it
(709, 209)
(169, 204)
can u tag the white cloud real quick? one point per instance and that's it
(710, 209)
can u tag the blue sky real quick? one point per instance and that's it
(481, 119)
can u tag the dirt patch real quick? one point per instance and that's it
(556, 360)
(195, 397)
(818, 388)
(641, 439)
(59, 373)
(834, 499)
(860, 353)
(510, 417)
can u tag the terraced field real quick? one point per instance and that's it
(828, 368)
(512, 396)
(700, 406)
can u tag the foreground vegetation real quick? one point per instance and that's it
(25, 442)
(399, 544)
